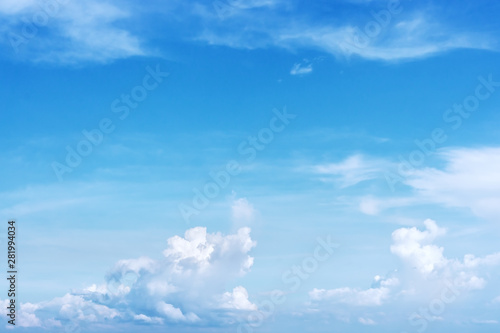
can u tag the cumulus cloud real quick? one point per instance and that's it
(64, 310)
(237, 299)
(471, 261)
(188, 285)
(413, 246)
(418, 251)
(171, 312)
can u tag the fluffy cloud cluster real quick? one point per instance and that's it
(418, 252)
(188, 285)
(415, 248)
(193, 283)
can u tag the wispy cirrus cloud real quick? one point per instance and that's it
(301, 69)
(408, 39)
(68, 32)
(409, 34)
(92, 31)
(470, 179)
(351, 171)
(13, 6)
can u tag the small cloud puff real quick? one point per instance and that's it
(301, 69)
(242, 211)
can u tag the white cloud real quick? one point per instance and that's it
(301, 69)
(469, 179)
(76, 307)
(95, 31)
(469, 281)
(160, 288)
(149, 320)
(27, 318)
(374, 296)
(206, 252)
(188, 285)
(69, 308)
(351, 171)
(413, 246)
(222, 11)
(470, 261)
(366, 321)
(237, 299)
(134, 265)
(437, 274)
(74, 32)
(369, 206)
(247, 4)
(194, 247)
(15, 6)
(487, 321)
(411, 35)
(174, 313)
(405, 39)
(242, 212)
(368, 297)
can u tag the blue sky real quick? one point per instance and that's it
(252, 166)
